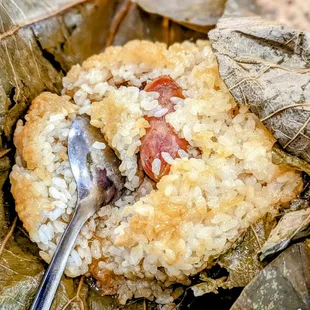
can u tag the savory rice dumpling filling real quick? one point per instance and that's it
(198, 168)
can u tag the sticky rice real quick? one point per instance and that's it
(145, 243)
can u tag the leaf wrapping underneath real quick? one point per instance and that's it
(241, 261)
(280, 157)
(196, 14)
(283, 284)
(267, 65)
(292, 226)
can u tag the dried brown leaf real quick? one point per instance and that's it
(267, 66)
(292, 226)
(242, 260)
(280, 157)
(138, 24)
(237, 8)
(283, 284)
(208, 286)
(4, 152)
(39, 42)
(196, 14)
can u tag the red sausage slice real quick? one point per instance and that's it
(167, 88)
(160, 137)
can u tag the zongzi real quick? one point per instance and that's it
(166, 113)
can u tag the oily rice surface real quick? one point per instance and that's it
(145, 243)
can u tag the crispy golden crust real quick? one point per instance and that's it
(107, 278)
(29, 192)
(30, 198)
(26, 137)
(154, 54)
(108, 116)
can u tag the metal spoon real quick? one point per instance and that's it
(98, 183)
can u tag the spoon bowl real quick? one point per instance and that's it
(99, 182)
(94, 167)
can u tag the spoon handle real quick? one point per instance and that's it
(50, 282)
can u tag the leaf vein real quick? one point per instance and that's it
(14, 29)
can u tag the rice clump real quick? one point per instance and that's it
(216, 190)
